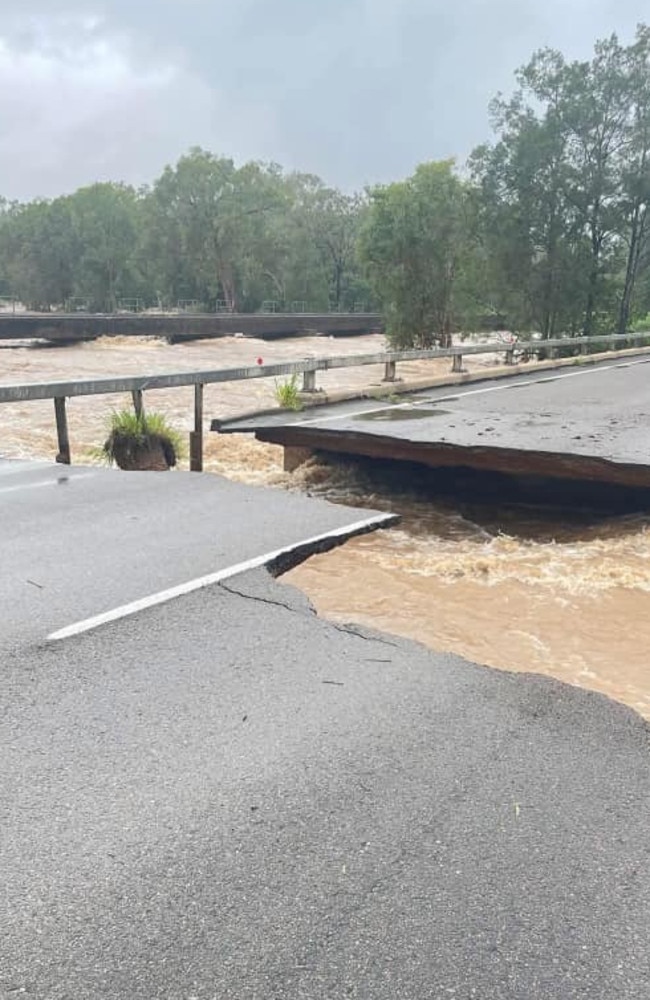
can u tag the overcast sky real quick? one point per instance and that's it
(357, 91)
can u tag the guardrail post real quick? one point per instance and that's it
(584, 348)
(390, 372)
(138, 402)
(510, 356)
(457, 364)
(196, 436)
(63, 457)
(309, 381)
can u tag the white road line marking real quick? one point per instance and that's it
(460, 394)
(41, 484)
(163, 596)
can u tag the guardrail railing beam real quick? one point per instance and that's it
(122, 384)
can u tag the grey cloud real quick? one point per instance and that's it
(356, 90)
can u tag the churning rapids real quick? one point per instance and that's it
(552, 592)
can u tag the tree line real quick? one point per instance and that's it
(206, 232)
(546, 228)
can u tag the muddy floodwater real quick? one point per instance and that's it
(561, 593)
(522, 589)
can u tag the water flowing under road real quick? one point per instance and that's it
(515, 588)
(564, 594)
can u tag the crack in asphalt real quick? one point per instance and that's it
(346, 629)
(360, 635)
(260, 600)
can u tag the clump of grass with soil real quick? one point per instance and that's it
(141, 441)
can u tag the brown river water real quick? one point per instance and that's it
(562, 594)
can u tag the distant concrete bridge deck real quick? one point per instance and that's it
(182, 327)
(583, 423)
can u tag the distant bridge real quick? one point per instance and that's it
(71, 327)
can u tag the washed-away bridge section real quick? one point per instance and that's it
(588, 422)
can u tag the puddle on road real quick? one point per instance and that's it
(401, 414)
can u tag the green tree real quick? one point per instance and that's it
(332, 221)
(565, 189)
(211, 218)
(312, 259)
(596, 104)
(37, 252)
(106, 225)
(416, 243)
(80, 245)
(635, 194)
(531, 228)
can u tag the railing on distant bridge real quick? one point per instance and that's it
(137, 385)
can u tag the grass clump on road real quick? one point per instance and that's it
(141, 442)
(287, 394)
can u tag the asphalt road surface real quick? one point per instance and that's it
(77, 542)
(600, 411)
(227, 798)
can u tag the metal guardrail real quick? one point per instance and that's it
(308, 367)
